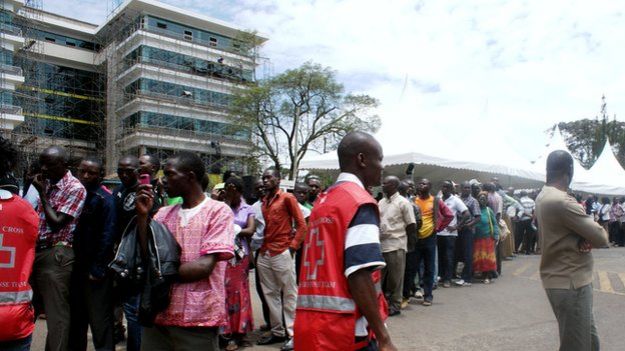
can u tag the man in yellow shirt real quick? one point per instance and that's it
(436, 216)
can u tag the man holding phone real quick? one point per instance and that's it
(128, 170)
(61, 200)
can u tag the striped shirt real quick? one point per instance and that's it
(362, 243)
(528, 207)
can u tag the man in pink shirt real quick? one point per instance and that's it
(204, 229)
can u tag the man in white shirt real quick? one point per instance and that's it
(397, 221)
(446, 238)
(526, 229)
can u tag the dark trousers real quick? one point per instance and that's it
(426, 254)
(131, 311)
(166, 338)
(92, 306)
(410, 273)
(393, 277)
(576, 322)
(446, 250)
(528, 235)
(620, 234)
(498, 254)
(51, 278)
(465, 246)
(17, 345)
(261, 295)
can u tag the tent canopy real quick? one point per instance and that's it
(606, 176)
(438, 168)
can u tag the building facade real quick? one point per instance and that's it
(152, 79)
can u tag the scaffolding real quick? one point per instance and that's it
(170, 93)
(149, 90)
(61, 105)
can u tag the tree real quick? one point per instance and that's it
(301, 110)
(586, 137)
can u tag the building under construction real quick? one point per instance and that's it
(152, 79)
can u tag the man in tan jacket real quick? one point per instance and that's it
(566, 265)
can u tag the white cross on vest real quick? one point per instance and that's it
(310, 262)
(11, 251)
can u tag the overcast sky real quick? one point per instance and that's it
(443, 70)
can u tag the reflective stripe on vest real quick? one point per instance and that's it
(323, 302)
(378, 287)
(14, 297)
(333, 303)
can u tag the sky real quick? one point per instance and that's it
(444, 70)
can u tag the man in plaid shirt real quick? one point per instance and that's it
(62, 197)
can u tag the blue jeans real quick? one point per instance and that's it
(17, 345)
(131, 310)
(426, 253)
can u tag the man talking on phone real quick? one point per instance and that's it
(61, 200)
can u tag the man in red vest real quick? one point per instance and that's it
(340, 305)
(18, 235)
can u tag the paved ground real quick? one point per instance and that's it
(510, 314)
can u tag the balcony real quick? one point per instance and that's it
(218, 72)
(10, 110)
(13, 70)
(10, 116)
(10, 29)
(11, 76)
(195, 40)
(178, 139)
(181, 101)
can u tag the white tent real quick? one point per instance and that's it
(606, 176)
(448, 161)
(580, 174)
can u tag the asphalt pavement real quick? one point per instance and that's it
(510, 314)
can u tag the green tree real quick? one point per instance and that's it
(585, 138)
(300, 110)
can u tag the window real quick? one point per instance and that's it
(212, 41)
(69, 43)
(188, 35)
(161, 25)
(52, 40)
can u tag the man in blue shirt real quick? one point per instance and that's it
(91, 290)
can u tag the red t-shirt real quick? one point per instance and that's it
(18, 235)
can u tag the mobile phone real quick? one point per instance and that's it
(144, 179)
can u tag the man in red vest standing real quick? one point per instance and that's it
(340, 305)
(18, 235)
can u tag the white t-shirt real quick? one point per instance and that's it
(186, 214)
(457, 206)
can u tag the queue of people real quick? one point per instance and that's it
(330, 264)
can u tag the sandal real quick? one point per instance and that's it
(232, 346)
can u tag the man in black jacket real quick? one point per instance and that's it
(91, 288)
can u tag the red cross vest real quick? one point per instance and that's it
(18, 235)
(326, 313)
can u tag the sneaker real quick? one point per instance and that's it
(393, 312)
(459, 282)
(404, 303)
(486, 281)
(418, 295)
(427, 303)
(446, 285)
(466, 284)
(288, 346)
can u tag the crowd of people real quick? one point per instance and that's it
(313, 249)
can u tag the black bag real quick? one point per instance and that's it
(152, 279)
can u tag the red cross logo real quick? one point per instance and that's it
(311, 262)
(11, 251)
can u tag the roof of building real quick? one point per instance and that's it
(176, 14)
